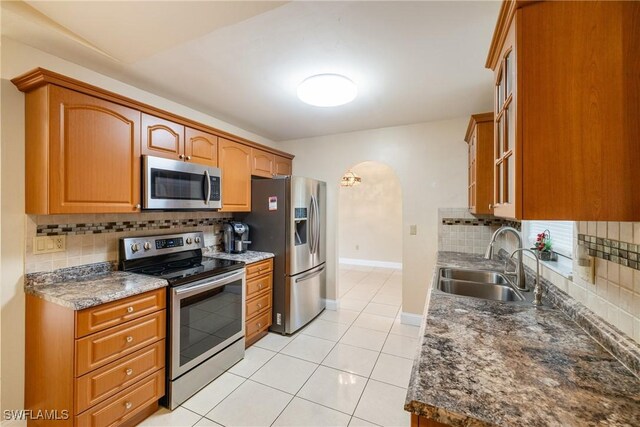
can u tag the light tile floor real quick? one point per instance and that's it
(349, 367)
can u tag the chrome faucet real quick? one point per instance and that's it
(520, 277)
(537, 290)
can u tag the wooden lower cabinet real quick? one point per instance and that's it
(103, 366)
(418, 421)
(258, 312)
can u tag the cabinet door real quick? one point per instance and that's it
(262, 163)
(200, 147)
(507, 196)
(235, 166)
(162, 138)
(94, 159)
(283, 166)
(472, 171)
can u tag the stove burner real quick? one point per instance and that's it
(179, 264)
(152, 270)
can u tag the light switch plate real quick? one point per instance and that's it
(49, 244)
(413, 230)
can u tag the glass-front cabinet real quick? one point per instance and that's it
(505, 196)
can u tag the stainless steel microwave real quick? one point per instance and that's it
(172, 184)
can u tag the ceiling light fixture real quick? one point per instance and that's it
(327, 90)
(350, 179)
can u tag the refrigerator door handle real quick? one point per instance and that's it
(312, 220)
(310, 275)
(316, 217)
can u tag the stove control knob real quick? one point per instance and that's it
(135, 247)
(197, 240)
(147, 246)
(189, 240)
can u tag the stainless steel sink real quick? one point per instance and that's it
(489, 285)
(474, 276)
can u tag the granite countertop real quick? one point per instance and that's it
(484, 363)
(87, 286)
(247, 257)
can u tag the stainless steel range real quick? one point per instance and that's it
(206, 304)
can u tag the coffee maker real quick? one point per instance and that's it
(235, 237)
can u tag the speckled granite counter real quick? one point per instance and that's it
(86, 286)
(485, 363)
(247, 257)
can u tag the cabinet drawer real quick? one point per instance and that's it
(104, 316)
(258, 304)
(103, 347)
(259, 285)
(102, 383)
(258, 324)
(126, 404)
(258, 268)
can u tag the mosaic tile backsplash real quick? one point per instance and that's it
(459, 231)
(623, 253)
(93, 238)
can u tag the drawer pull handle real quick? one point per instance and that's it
(129, 309)
(259, 325)
(129, 371)
(259, 285)
(128, 405)
(259, 306)
(129, 338)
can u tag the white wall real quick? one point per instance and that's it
(430, 159)
(370, 216)
(18, 59)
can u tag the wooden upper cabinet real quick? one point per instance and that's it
(201, 147)
(262, 163)
(235, 165)
(283, 166)
(82, 154)
(567, 102)
(481, 162)
(162, 138)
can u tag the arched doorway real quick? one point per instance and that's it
(370, 240)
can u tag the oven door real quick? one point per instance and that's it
(171, 184)
(206, 316)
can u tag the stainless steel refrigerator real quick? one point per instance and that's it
(288, 218)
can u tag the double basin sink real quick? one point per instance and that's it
(489, 285)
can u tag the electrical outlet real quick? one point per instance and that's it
(49, 244)
(413, 229)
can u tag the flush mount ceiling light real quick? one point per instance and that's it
(327, 90)
(350, 179)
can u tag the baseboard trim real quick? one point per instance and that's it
(410, 319)
(371, 263)
(332, 304)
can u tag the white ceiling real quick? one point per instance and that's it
(241, 61)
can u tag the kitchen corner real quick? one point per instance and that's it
(483, 362)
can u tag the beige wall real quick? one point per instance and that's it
(430, 159)
(17, 59)
(370, 215)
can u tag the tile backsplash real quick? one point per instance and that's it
(460, 231)
(615, 293)
(94, 238)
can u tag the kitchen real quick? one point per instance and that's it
(425, 147)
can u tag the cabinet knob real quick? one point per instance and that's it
(128, 405)
(181, 156)
(129, 371)
(259, 325)
(188, 157)
(259, 285)
(490, 206)
(138, 206)
(129, 338)
(129, 309)
(259, 306)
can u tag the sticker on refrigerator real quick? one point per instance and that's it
(273, 203)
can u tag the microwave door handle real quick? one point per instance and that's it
(208, 178)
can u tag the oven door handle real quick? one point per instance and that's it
(227, 278)
(208, 178)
